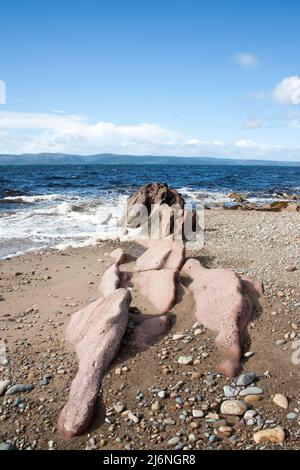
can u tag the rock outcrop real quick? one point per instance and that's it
(110, 280)
(162, 254)
(159, 287)
(224, 305)
(96, 332)
(148, 195)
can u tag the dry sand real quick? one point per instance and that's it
(40, 291)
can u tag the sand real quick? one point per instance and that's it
(41, 291)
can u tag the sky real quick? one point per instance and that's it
(189, 78)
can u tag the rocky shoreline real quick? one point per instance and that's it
(169, 396)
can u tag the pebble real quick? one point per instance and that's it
(155, 406)
(162, 394)
(185, 360)
(291, 415)
(178, 336)
(296, 345)
(197, 413)
(225, 430)
(230, 392)
(233, 408)
(281, 401)
(251, 391)
(7, 446)
(133, 417)
(119, 407)
(249, 354)
(174, 441)
(250, 414)
(246, 379)
(19, 388)
(3, 386)
(274, 436)
(252, 398)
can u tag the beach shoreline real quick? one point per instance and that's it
(41, 290)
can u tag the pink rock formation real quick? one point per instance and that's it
(223, 304)
(166, 253)
(148, 331)
(118, 256)
(97, 339)
(160, 288)
(110, 280)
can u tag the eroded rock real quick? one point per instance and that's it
(110, 280)
(224, 305)
(96, 346)
(159, 287)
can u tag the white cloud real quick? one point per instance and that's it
(53, 132)
(246, 60)
(253, 123)
(288, 91)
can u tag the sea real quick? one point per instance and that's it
(60, 206)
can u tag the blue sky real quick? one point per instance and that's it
(151, 77)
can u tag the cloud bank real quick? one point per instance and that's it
(59, 133)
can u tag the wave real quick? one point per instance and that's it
(32, 199)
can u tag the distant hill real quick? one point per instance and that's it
(110, 159)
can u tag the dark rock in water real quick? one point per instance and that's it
(148, 195)
(278, 205)
(7, 446)
(19, 388)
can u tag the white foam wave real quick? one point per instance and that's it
(36, 198)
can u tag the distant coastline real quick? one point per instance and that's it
(116, 159)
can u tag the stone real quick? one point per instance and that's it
(7, 446)
(173, 441)
(185, 360)
(178, 336)
(159, 287)
(230, 392)
(281, 401)
(251, 391)
(155, 406)
(162, 394)
(248, 354)
(197, 413)
(249, 414)
(250, 399)
(118, 256)
(273, 436)
(96, 335)
(119, 407)
(227, 430)
(3, 359)
(246, 379)
(224, 304)
(155, 257)
(292, 415)
(133, 417)
(3, 386)
(151, 194)
(110, 280)
(19, 388)
(233, 408)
